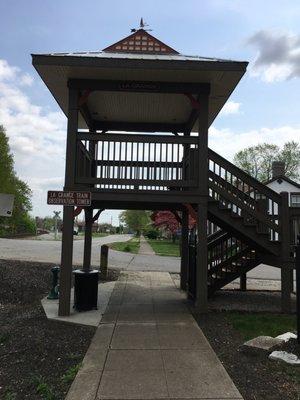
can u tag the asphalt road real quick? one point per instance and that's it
(49, 251)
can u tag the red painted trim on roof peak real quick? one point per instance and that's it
(140, 42)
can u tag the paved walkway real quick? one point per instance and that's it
(145, 247)
(148, 346)
(49, 251)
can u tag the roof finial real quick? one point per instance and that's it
(142, 26)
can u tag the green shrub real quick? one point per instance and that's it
(42, 388)
(151, 233)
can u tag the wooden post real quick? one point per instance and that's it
(243, 282)
(184, 249)
(88, 239)
(202, 170)
(68, 214)
(262, 206)
(103, 261)
(201, 266)
(285, 254)
(298, 286)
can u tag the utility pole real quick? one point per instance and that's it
(56, 217)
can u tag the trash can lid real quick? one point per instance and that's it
(82, 272)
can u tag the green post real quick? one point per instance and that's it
(54, 292)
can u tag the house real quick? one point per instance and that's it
(281, 183)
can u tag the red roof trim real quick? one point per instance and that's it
(133, 48)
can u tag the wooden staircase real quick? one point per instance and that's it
(249, 215)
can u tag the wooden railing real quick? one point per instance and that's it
(226, 257)
(84, 161)
(138, 162)
(244, 196)
(223, 251)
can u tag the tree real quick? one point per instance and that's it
(168, 221)
(20, 221)
(135, 220)
(257, 160)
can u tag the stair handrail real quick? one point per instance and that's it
(243, 205)
(243, 175)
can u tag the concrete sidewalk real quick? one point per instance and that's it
(148, 346)
(145, 247)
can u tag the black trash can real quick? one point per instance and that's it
(85, 290)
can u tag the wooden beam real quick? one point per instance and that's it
(193, 116)
(88, 239)
(138, 126)
(201, 262)
(142, 164)
(184, 250)
(139, 86)
(135, 205)
(243, 282)
(147, 197)
(136, 182)
(285, 253)
(85, 112)
(68, 214)
(115, 137)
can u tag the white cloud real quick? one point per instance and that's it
(36, 138)
(278, 56)
(7, 71)
(26, 80)
(231, 107)
(227, 143)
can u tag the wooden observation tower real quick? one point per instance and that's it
(138, 117)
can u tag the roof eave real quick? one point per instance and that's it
(42, 59)
(284, 178)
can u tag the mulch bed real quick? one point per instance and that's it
(255, 377)
(32, 348)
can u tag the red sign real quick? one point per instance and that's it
(61, 198)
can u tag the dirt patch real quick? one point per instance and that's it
(35, 353)
(255, 377)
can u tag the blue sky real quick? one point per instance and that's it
(264, 107)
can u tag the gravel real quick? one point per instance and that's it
(35, 353)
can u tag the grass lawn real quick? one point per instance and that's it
(96, 234)
(165, 247)
(253, 325)
(131, 246)
(101, 234)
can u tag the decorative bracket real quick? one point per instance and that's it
(177, 217)
(84, 97)
(195, 103)
(97, 215)
(77, 211)
(191, 211)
